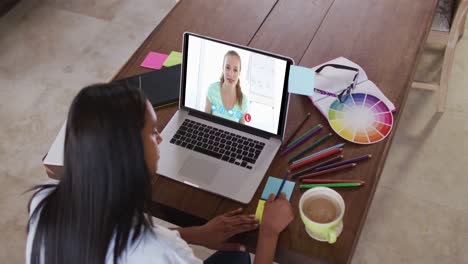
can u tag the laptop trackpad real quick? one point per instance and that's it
(198, 170)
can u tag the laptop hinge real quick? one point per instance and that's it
(221, 121)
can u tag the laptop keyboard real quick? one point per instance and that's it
(218, 143)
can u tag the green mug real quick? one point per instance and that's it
(326, 232)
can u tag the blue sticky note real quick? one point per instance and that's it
(272, 186)
(301, 80)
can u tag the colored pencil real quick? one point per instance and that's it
(342, 184)
(319, 152)
(353, 160)
(316, 143)
(310, 175)
(329, 181)
(326, 162)
(297, 130)
(302, 136)
(302, 140)
(285, 177)
(315, 158)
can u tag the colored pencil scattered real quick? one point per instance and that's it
(305, 137)
(353, 160)
(297, 130)
(302, 136)
(329, 181)
(342, 184)
(285, 177)
(316, 143)
(319, 152)
(315, 158)
(326, 162)
(310, 175)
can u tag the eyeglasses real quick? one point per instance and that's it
(345, 93)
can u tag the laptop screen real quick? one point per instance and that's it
(235, 83)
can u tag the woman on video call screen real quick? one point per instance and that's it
(234, 84)
(225, 98)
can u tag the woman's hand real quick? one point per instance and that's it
(219, 229)
(277, 214)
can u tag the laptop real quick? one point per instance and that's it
(231, 120)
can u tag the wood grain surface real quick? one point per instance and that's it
(385, 37)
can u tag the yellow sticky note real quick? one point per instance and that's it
(259, 212)
(174, 58)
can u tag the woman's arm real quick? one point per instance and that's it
(208, 106)
(189, 234)
(214, 233)
(276, 217)
(266, 247)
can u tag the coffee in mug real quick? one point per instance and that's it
(322, 210)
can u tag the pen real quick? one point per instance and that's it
(285, 177)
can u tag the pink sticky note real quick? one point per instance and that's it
(154, 60)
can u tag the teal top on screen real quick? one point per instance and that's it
(217, 108)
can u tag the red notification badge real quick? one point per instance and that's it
(247, 117)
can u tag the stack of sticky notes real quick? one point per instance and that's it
(301, 80)
(174, 58)
(272, 186)
(155, 60)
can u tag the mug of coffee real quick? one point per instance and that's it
(322, 211)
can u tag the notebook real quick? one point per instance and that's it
(161, 87)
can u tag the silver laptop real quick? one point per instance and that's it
(231, 119)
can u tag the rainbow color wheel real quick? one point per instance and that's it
(362, 118)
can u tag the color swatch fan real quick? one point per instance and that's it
(362, 118)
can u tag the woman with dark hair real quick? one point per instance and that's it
(97, 212)
(225, 98)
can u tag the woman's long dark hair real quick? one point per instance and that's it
(105, 185)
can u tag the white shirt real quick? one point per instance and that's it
(166, 246)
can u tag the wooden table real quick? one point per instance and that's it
(385, 37)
